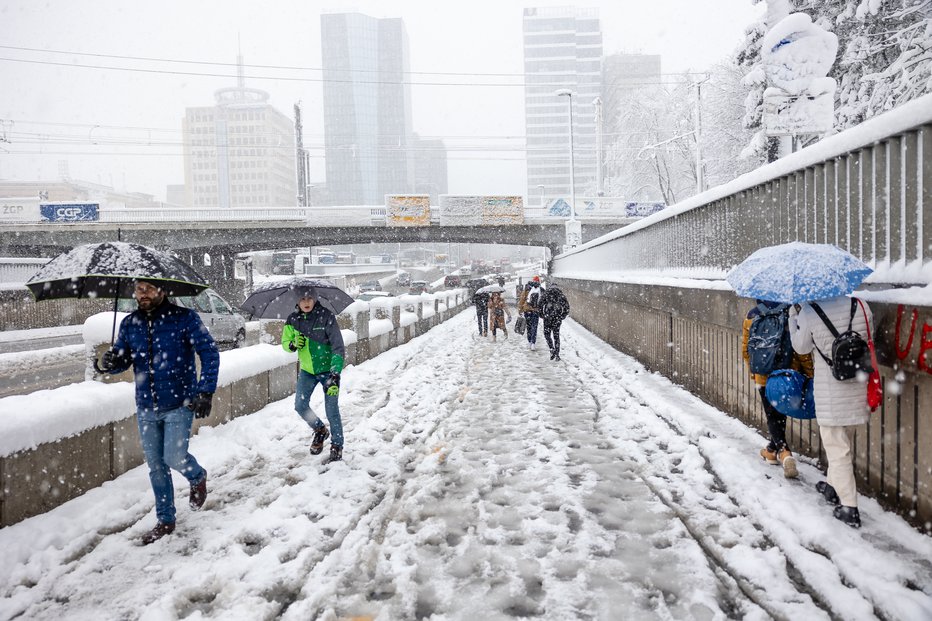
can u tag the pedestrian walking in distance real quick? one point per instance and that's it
(529, 305)
(497, 313)
(160, 341)
(481, 302)
(840, 404)
(313, 333)
(554, 308)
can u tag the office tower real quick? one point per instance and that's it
(367, 108)
(430, 168)
(562, 50)
(239, 152)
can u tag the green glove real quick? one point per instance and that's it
(332, 385)
(300, 341)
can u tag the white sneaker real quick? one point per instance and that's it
(533, 346)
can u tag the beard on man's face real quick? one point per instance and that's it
(148, 301)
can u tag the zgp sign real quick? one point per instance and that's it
(69, 212)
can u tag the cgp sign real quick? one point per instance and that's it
(69, 212)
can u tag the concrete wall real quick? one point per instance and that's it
(693, 336)
(35, 481)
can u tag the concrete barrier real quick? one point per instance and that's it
(693, 336)
(35, 481)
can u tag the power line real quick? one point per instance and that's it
(284, 67)
(298, 79)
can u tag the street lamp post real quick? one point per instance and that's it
(573, 227)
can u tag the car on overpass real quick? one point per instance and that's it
(452, 280)
(222, 320)
(370, 285)
(368, 296)
(419, 286)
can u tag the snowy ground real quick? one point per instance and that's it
(481, 481)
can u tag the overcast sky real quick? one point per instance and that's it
(478, 37)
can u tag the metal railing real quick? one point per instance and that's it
(867, 190)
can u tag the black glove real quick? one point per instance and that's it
(106, 363)
(201, 404)
(332, 385)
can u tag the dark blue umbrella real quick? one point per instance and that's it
(277, 300)
(798, 272)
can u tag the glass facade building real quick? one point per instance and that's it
(562, 50)
(367, 108)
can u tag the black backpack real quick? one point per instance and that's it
(850, 352)
(769, 346)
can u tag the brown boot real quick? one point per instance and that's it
(786, 459)
(161, 529)
(769, 456)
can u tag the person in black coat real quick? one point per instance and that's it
(554, 308)
(481, 302)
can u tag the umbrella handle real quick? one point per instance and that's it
(113, 329)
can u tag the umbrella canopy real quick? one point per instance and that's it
(797, 272)
(277, 300)
(108, 269)
(491, 289)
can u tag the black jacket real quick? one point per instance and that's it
(554, 306)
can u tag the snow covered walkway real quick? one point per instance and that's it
(481, 481)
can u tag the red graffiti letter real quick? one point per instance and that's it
(925, 346)
(902, 353)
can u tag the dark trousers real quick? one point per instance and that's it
(552, 328)
(482, 316)
(776, 424)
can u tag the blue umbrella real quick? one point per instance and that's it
(797, 272)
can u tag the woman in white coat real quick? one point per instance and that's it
(839, 405)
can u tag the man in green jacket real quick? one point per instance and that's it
(312, 331)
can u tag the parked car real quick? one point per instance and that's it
(225, 323)
(368, 296)
(404, 279)
(371, 285)
(418, 287)
(452, 281)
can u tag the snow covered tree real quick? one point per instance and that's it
(884, 60)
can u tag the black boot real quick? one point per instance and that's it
(198, 494)
(828, 492)
(164, 528)
(849, 515)
(336, 453)
(317, 444)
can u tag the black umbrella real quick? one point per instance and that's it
(277, 300)
(109, 269)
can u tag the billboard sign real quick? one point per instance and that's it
(641, 210)
(70, 212)
(19, 210)
(480, 210)
(407, 210)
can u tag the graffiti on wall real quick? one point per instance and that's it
(912, 338)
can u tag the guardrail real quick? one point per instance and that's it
(867, 190)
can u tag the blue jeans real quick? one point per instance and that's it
(302, 405)
(164, 437)
(531, 319)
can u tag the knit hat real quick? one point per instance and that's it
(536, 279)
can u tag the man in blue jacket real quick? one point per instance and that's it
(160, 340)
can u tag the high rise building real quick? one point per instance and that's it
(239, 152)
(562, 50)
(430, 168)
(367, 108)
